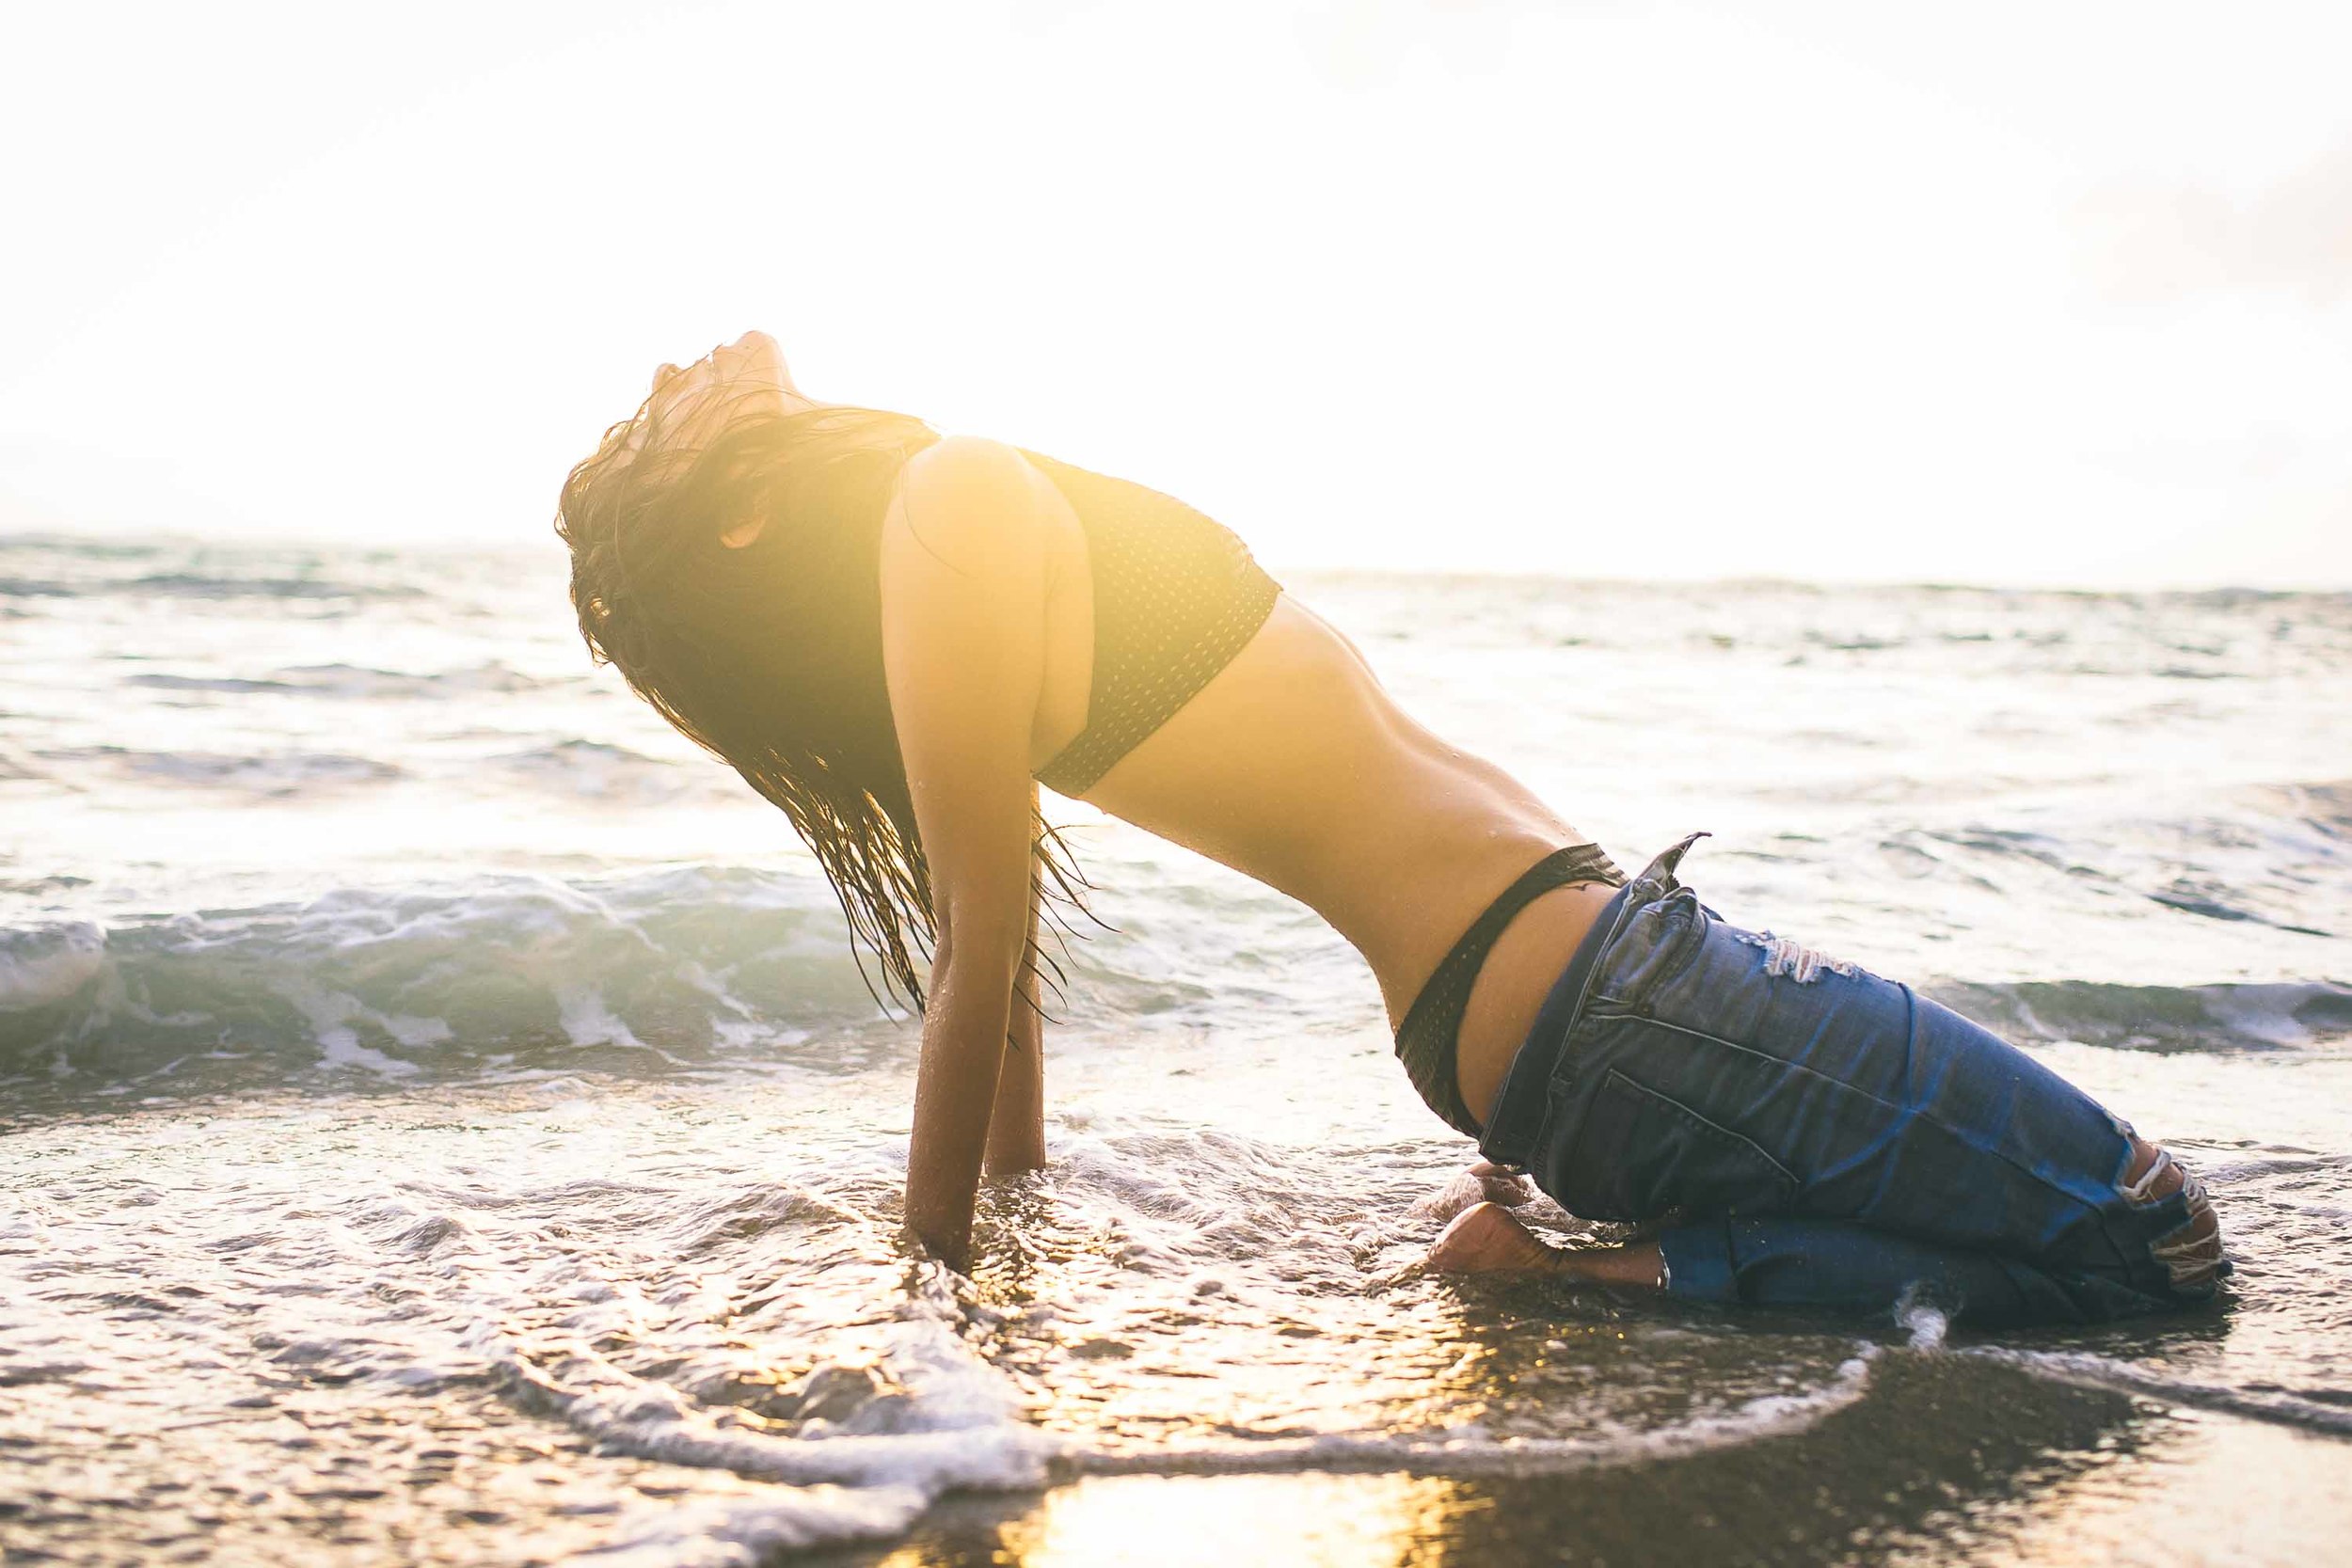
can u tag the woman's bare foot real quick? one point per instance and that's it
(1502, 1184)
(1481, 1183)
(1487, 1238)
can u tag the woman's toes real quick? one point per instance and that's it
(1497, 1185)
(1509, 1192)
(1486, 1238)
(1448, 1201)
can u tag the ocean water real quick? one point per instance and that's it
(440, 1119)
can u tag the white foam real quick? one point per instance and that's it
(960, 1425)
(587, 1021)
(37, 968)
(743, 1534)
(653, 1421)
(954, 1389)
(2265, 1013)
(1474, 1453)
(331, 1013)
(2086, 1370)
(1925, 1322)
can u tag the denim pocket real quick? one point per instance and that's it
(1661, 940)
(1640, 1155)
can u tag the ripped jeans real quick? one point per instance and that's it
(1811, 1136)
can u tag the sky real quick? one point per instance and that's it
(2005, 293)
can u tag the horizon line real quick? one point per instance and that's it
(258, 541)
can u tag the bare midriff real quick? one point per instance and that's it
(1294, 767)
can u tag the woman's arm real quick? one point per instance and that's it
(1016, 1128)
(963, 649)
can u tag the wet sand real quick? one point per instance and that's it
(1937, 1464)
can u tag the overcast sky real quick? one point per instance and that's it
(1986, 293)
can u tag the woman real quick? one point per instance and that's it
(894, 637)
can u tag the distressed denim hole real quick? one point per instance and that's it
(1789, 958)
(2191, 1251)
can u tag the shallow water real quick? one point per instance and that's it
(443, 1120)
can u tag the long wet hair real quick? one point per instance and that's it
(769, 656)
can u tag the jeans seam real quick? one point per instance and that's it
(1602, 954)
(1705, 1124)
(1924, 1114)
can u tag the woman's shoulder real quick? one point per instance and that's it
(968, 468)
(974, 502)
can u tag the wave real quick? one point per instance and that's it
(596, 770)
(702, 967)
(668, 970)
(2275, 864)
(717, 1534)
(272, 773)
(206, 585)
(588, 770)
(865, 1448)
(846, 1487)
(36, 587)
(2332, 1412)
(200, 585)
(2223, 1016)
(352, 682)
(2326, 807)
(47, 964)
(1467, 1451)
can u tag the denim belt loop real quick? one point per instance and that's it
(1515, 1121)
(1660, 872)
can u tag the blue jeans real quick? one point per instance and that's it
(1812, 1135)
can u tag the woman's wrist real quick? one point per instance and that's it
(940, 1226)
